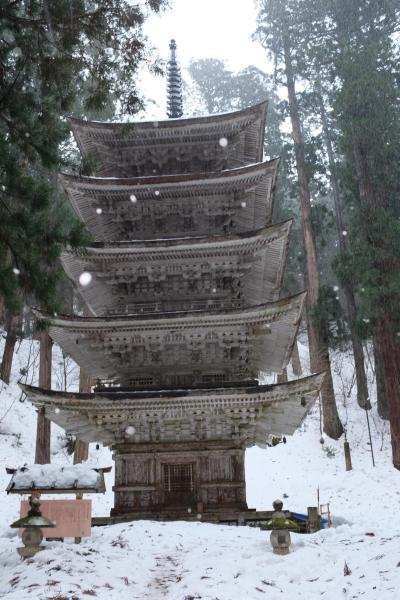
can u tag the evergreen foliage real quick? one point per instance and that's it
(54, 57)
(349, 48)
(348, 54)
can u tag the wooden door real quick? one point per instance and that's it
(179, 484)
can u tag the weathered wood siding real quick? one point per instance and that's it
(218, 479)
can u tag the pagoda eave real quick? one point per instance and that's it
(244, 415)
(206, 346)
(239, 270)
(235, 178)
(236, 200)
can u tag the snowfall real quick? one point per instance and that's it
(358, 557)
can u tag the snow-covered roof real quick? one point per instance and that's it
(56, 478)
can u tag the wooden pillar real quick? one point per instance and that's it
(314, 520)
(81, 452)
(42, 453)
(347, 456)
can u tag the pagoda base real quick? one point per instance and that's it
(179, 479)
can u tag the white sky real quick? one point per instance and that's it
(203, 29)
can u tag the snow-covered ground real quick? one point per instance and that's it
(187, 561)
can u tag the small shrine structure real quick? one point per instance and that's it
(186, 310)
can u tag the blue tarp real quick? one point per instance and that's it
(301, 517)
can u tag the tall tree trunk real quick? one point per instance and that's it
(386, 334)
(85, 385)
(65, 291)
(6, 363)
(319, 353)
(381, 396)
(296, 364)
(390, 349)
(351, 307)
(282, 377)
(2, 310)
(43, 432)
(81, 452)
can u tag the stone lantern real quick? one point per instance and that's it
(32, 524)
(280, 525)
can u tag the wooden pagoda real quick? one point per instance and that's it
(185, 310)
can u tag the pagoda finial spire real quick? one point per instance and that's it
(174, 84)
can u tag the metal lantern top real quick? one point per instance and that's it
(34, 517)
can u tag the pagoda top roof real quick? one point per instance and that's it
(242, 414)
(173, 146)
(174, 124)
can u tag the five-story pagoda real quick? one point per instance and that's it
(186, 315)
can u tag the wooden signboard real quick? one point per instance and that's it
(71, 517)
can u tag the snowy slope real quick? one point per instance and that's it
(187, 561)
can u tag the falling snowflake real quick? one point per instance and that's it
(99, 211)
(223, 142)
(85, 278)
(335, 288)
(132, 198)
(16, 271)
(366, 320)
(157, 193)
(214, 290)
(243, 204)
(130, 430)
(344, 232)
(57, 410)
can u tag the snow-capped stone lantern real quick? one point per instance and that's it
(280, 525)
(32, 524)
